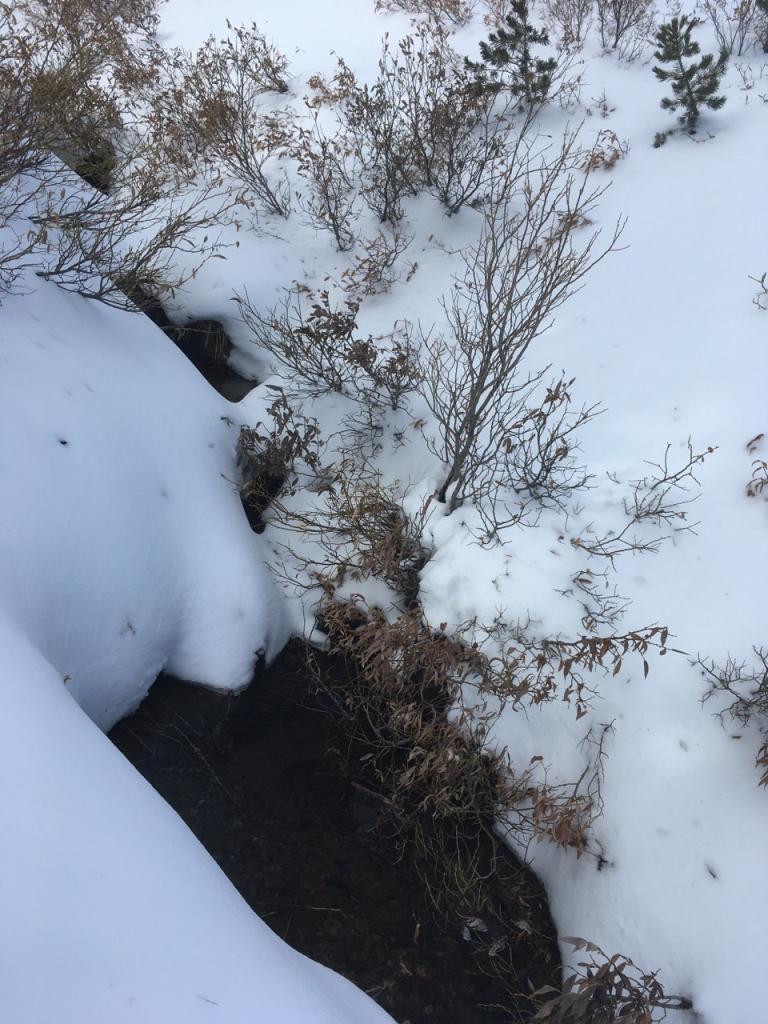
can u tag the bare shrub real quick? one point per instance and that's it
(423, 764)
(662, 496)
(123, 248)
(604, 989)
(459, 133)
(758, 484)
(606, 152)
(660, 499)
(494, 11)
(26, 139)
(419, 760)
(601, 106)
(745, 685)
(625, 25)
(533, 671)
(454, 12)
(761, 299)
(392, 366)
(419, 125)
(211, 110)
(266, 66)
(267, 454)
(732, 21)
(761, 25)
(313, 346)
(746, 74)
(356, 528)
(526, 264)
(374, 269)
(63, 74)
(381, 540)
(70, 76)
(567, 86)
(72, 23)
(325, 164)
(440, 787)
(320, 350)
(81, 65)
(602, 604)
(441, 784)
(377, 135)
(569, 20)
(446, 791)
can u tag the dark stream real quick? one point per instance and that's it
(261, 780)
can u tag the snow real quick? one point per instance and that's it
(132, 553)
(125, 551)
(112, 911)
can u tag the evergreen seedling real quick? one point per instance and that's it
(694, 86)
(507, 55)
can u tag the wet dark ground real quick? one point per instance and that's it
(259, 780)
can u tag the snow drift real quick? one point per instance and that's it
(123, 551)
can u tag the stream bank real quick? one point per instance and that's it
(266, 782)
(259, 779)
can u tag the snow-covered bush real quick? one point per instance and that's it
(267, 454)
(125, 247)
(358, 531)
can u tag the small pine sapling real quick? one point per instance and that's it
(506, 61)
(694, 86)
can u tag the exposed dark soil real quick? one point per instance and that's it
(206, 344)
(259, 780)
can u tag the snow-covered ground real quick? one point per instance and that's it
(666, 337)
(124, 550)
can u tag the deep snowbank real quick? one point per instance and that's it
(111, 909)
(123, 546)
(123, 551)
